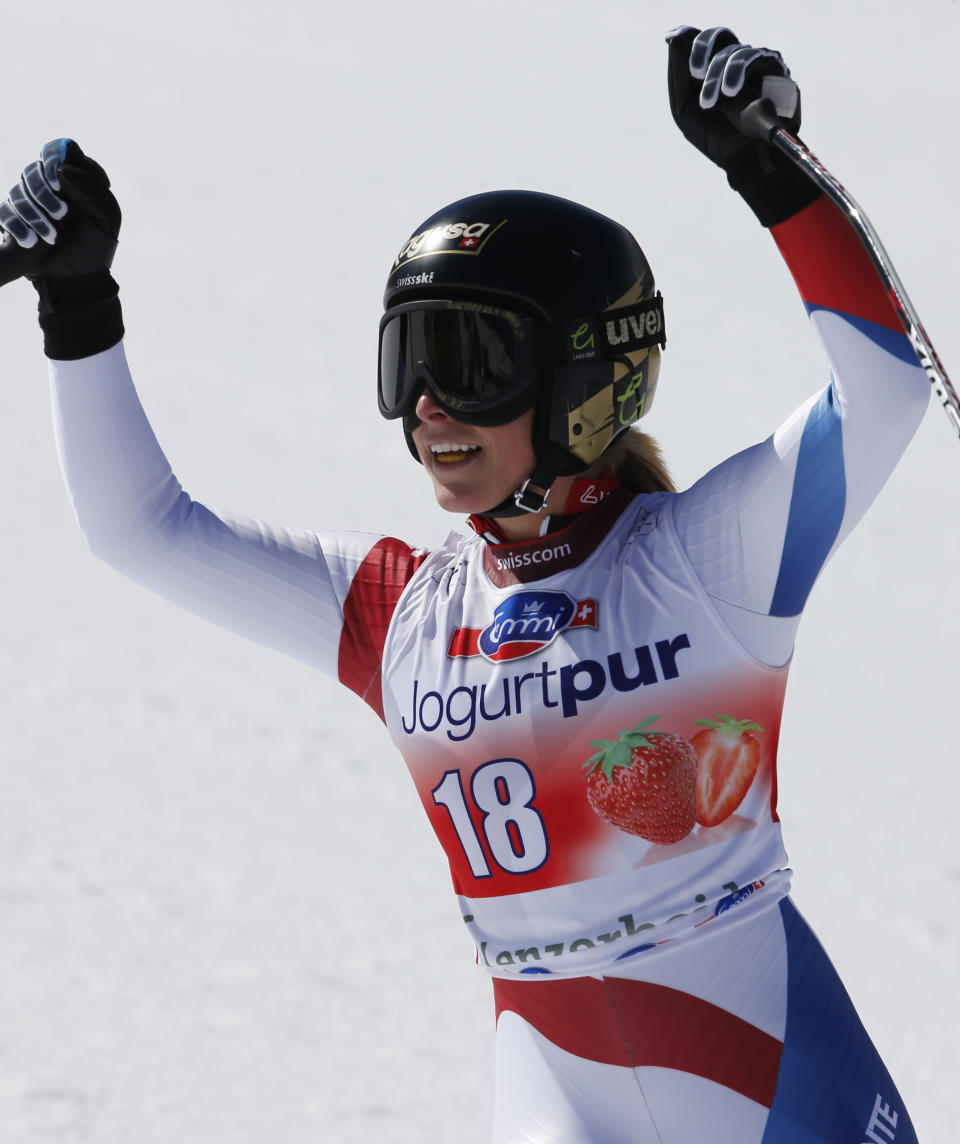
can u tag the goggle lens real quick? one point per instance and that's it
(475, 360)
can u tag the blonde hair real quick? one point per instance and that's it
(636, 459)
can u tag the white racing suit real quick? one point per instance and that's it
(646, 990)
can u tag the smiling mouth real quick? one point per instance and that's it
(451, 454)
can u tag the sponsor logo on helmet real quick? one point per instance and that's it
(615, 333)
(637, 329)
(523, 624)
(632, 402)
(451, 238)
(583, 341)
(414, 280)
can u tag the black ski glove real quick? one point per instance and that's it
(62, 223)
(712, 79)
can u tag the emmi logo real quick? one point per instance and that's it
(537, 623)
(523, 624)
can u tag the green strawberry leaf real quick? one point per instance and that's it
(618, 753)
(728, 725)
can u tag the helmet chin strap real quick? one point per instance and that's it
(527, 498)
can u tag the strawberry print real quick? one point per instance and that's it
(644, 782)
(729, 755)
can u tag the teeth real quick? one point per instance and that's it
(453, 448)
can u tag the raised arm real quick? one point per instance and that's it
(760, 526)
(293, 591)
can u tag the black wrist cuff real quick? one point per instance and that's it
(773, 187)
(80, 315)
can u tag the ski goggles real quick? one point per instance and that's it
(480, 363)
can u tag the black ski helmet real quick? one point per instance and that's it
(590, 289)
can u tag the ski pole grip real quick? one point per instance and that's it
(779, 97)
(758, 120)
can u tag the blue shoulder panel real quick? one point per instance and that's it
(816, 506)
(894, 342)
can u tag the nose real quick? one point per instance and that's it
(427, 408)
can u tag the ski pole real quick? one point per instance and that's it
(760, 120)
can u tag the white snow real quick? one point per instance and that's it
(222, 916)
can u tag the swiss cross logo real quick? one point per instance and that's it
(523, 624)
(448, 238)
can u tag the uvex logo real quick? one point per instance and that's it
(640, 327)
(523, 624)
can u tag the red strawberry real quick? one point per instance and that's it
(729, 756)
(644, 782)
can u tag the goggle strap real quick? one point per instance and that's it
(615, 332)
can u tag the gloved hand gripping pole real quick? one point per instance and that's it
(760, 120)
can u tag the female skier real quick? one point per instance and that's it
(587, 690)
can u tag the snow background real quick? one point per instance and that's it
(221, 917)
